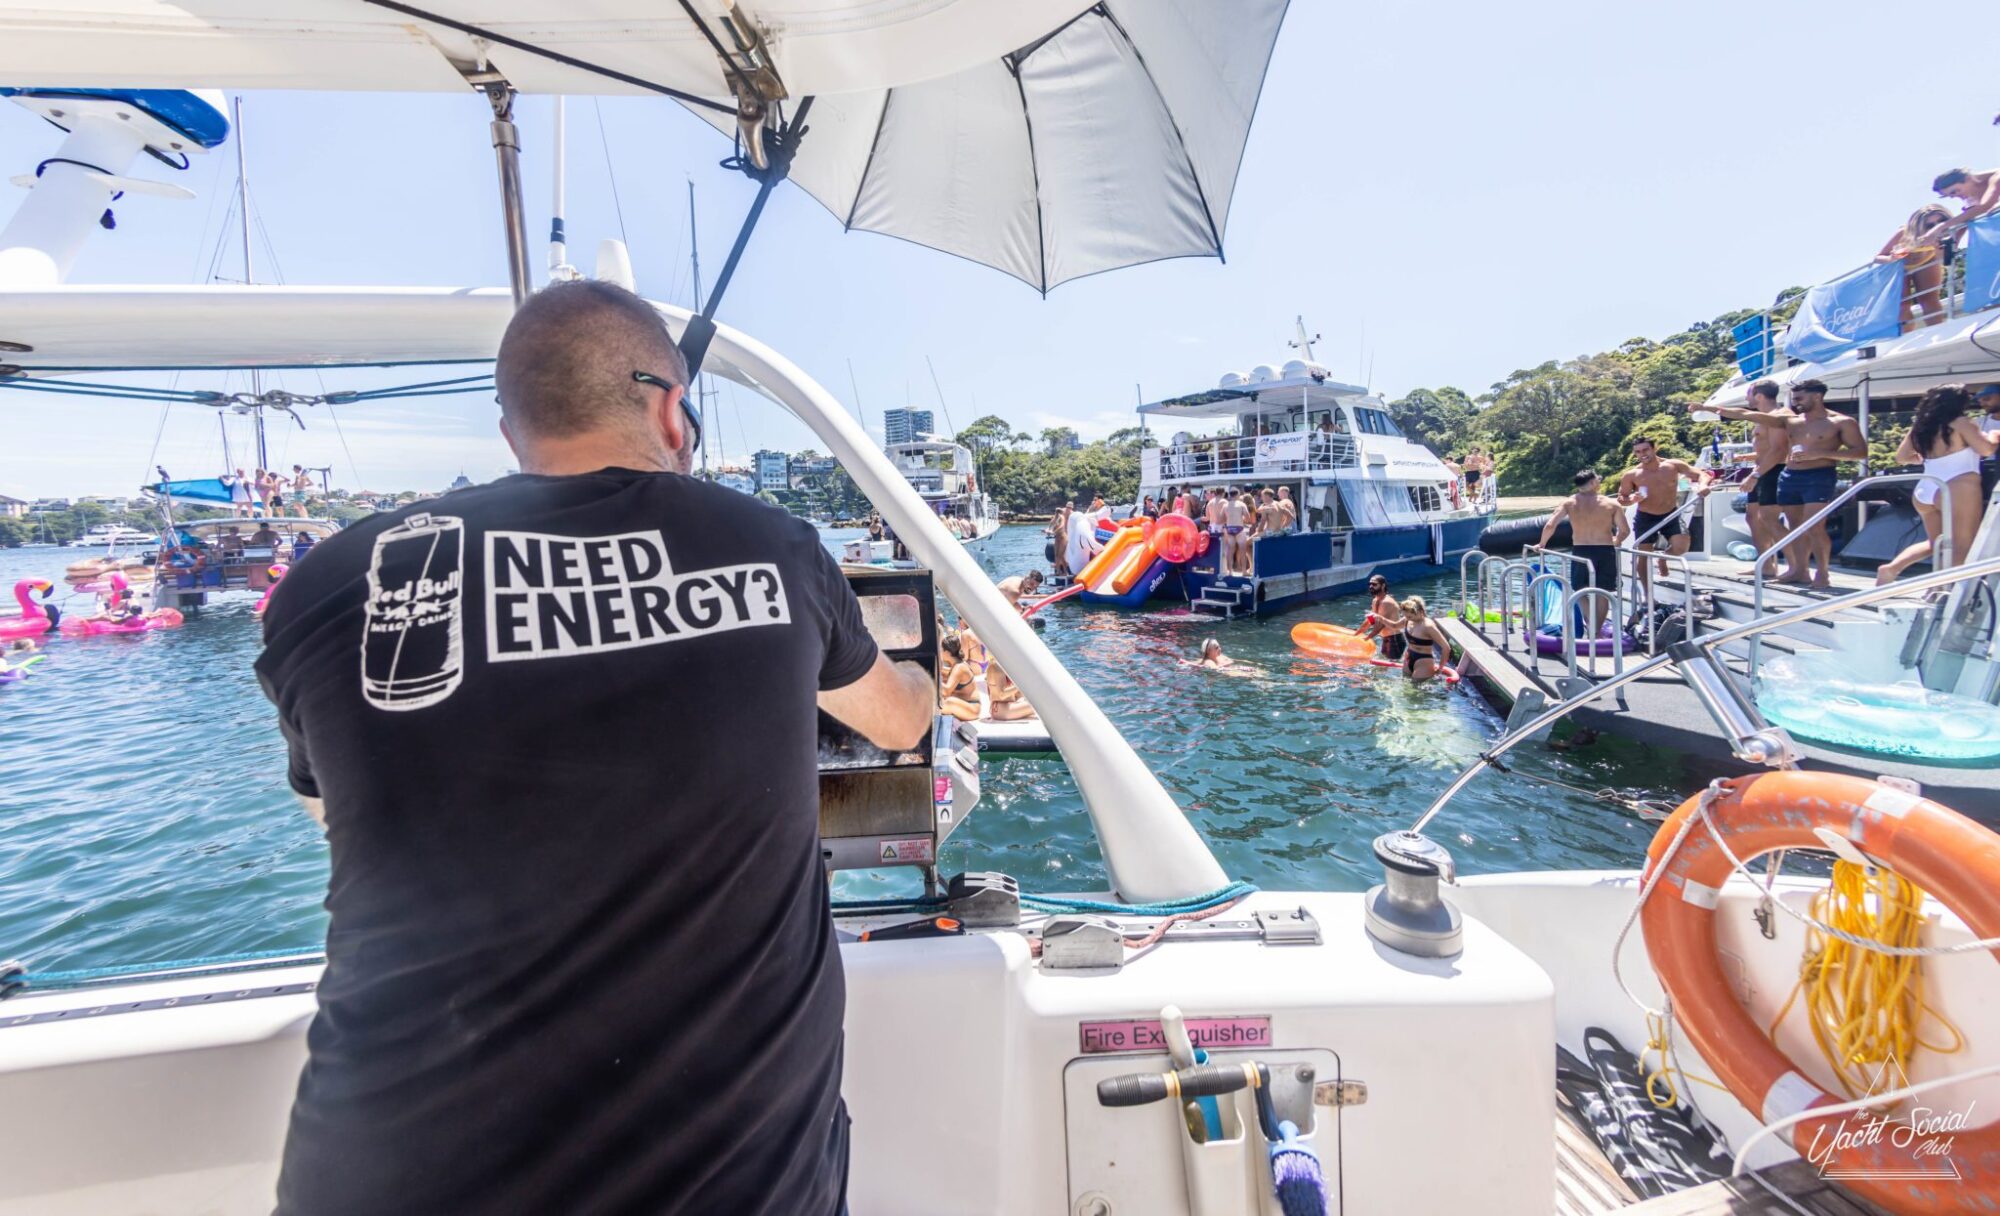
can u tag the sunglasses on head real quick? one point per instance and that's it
(687, 411)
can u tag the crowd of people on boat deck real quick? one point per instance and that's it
(263, 493)
(1928, 241)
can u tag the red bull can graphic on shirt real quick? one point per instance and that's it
(413, 647)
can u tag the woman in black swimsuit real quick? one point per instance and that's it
(1426, 647)
(958, 691)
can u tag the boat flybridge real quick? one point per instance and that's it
(1393, 1051)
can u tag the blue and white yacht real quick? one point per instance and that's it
(1370, 500)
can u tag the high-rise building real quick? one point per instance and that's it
(906, 425)
(774, 471)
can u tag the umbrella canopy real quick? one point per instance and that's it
(1040, 137)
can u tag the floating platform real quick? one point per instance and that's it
(1659, 710)
(1026, 738)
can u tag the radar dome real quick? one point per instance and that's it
(1296, 369)
(1231, 380)
(1263, 372)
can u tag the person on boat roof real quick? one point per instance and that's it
(580, 956)
(1979, 193)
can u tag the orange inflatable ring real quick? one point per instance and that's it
(1937, 848)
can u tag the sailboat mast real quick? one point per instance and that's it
(249, 276)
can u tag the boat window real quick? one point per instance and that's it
(1376, 422)
(896, 622)
(1426, 498)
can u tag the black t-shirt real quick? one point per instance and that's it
(580, 956)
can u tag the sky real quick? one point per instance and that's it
(1446, 192)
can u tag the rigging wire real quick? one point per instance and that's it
(604, 141)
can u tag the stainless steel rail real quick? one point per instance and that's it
(1707, 647)
(1944, 544)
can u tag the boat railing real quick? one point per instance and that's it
(1651, 583)
(1464, 560)
(1573, 610)
(1759, 337)
(1249, 455)
(1758, 576)
(1526, 572)
(1752, 739)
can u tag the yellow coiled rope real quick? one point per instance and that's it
(1866, 1008)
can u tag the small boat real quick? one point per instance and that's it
(112, 537)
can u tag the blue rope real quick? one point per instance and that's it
(91, 975)
(1172, 907)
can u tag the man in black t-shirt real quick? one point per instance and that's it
(561, 730)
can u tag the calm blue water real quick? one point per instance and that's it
(144, 814)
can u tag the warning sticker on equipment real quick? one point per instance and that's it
(907, 852)
(1098, 1038)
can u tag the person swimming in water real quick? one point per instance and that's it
(1212, 656)
(1426, 648)
(958, 693)
(1385, 621)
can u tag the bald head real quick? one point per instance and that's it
(565, 368)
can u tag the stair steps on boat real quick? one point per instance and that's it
(1226, 598)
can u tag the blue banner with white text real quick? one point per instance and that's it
(1753, 345)
(1982, 263)
(1836, 317)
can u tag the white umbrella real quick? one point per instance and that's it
(1044, 138)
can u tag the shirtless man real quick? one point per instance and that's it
(1012, 589)
(1216, 515)
(1236, 545)
(1767, 453)
(1596, 528)
(1270, 516)
(1979, 192)
(1290, 509)
(1817, 440)
(1654, 485)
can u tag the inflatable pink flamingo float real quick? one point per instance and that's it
(276, 572)
(34, 620)
(159, 618)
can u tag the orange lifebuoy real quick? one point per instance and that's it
(1934, 847)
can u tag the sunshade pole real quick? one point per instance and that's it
(513, 216)
(782, 146)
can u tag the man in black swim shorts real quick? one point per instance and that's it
(1596, 526)
(1653, 485)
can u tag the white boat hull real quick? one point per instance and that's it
(965, 1074)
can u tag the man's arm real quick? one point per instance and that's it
(1621, 528)
(1628, 488)
(1736, 413)
(1555, 520)
(892, 705)
(1852, 445)
(316, 808)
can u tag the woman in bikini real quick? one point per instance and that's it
(1426, 648)
(958, 693)
(1950, 444)
(1923, 265)
(1004, 698)
(1385, 619)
